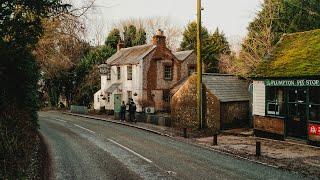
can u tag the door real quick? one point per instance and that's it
(296, 125)
(117, 103)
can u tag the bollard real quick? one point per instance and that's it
(215, 139)
(258, 148)
(185, 132)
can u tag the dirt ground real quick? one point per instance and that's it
(288, 155)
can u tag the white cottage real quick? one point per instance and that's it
(144, 73)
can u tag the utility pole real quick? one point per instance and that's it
(199, 67)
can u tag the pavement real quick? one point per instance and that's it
(83, 148)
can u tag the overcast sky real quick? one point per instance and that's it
(231, 16)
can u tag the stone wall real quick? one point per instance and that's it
(184, 108)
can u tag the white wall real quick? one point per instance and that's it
(259, 98)
(97, 99)
(134, 85)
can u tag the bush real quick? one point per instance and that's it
(18, 110)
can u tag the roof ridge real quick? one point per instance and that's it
(143, 45)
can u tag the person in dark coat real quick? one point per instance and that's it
(123, 111)
(132, 111)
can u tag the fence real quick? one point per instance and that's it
(79, 109)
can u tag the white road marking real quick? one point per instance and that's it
(84, 128)
(60, 120)
(146, 159)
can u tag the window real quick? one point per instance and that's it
(168, 72)
(191, 70)
(108, 97)
(275, 101)
(314, 106)
(297, 102)
(109, 73)
(118, 73)
(166, 96)
(129, 95)
(129, 72)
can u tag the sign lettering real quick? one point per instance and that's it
(292, 83)
(314, 129)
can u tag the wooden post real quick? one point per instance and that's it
(199, 68)
(185, 133)
(258, 148)
(215, 139)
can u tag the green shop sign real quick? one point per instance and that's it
(292, 83)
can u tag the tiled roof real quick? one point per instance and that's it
(227, 88)
(132, 55)
(182, 55)
(296, 55)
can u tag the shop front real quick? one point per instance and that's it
(297, 103)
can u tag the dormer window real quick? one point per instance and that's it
(168, 72)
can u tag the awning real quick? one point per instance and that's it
(112, 88)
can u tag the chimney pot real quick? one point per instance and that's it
(159, 39)
(120, 45)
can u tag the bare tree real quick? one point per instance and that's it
(259, 43)
(151, 25)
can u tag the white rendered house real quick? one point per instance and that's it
(144, 73)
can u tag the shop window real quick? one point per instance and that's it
(314, 106)
(118, 73)
(109, 73)
(166, 96)
(275, 101)
(168, 72)
(297, 102)
(129, 72)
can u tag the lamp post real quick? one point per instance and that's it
(199, 68)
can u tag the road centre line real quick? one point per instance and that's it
(60, 120)
(133, 152)
(84, 128)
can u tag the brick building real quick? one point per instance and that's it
(144, 73)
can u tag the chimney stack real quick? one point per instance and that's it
(159, 39)
(120, 45)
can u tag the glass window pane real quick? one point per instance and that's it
(301, 96)
(293, 109)
(301, 110)
(292, 95)
(314, 112)
(315, 95)
(270, 93)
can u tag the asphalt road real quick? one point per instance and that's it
(88, 149)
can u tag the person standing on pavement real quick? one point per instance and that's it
(132, 111)
(123, 112)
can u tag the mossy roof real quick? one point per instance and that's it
(296, 55)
